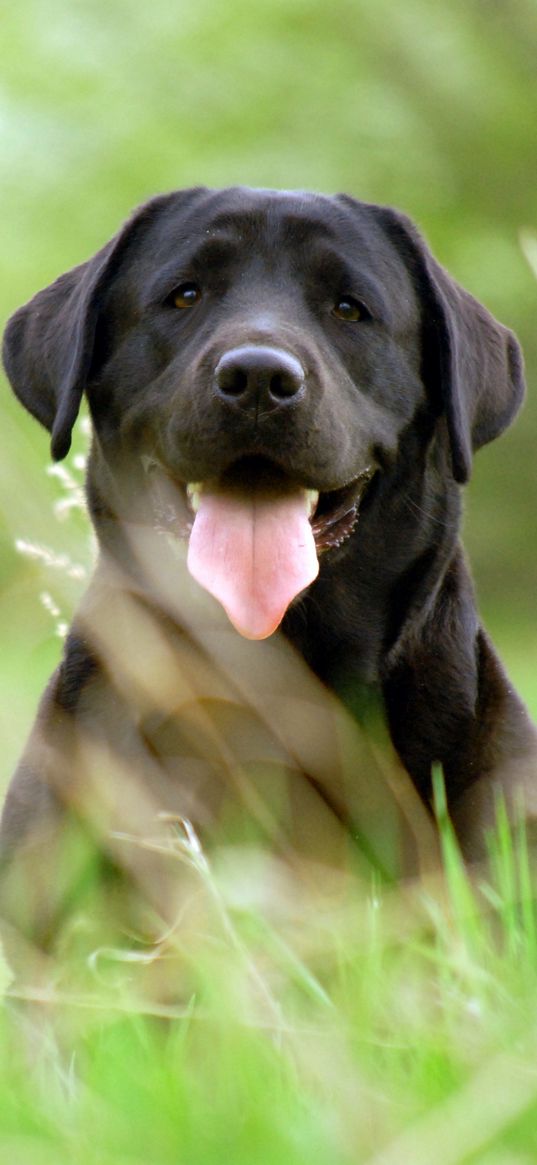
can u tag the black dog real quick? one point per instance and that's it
(291, 385)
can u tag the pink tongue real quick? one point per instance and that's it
(254, 553)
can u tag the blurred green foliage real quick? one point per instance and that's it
(429, 106)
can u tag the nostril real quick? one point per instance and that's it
(232, 381)
(284, 385)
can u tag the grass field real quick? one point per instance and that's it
(398, 1030)
(398, 1027)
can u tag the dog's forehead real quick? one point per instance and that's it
(239, 206)
(293, 216)
(295, 220)
(240, 215)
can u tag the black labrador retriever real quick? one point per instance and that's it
(286, 390)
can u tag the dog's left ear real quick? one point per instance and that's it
(49, 343)
(476, 362)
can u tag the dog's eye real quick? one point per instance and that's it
(187, 295)
(351, 310)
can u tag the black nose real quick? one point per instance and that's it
(259, 378)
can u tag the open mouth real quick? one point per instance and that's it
(255, 535)
(333, 514)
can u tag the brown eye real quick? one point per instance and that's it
(187, 295)
(349, 309)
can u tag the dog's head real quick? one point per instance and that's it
(265, 353)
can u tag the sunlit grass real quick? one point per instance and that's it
(397, 1030)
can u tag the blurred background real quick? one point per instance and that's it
(431, 107)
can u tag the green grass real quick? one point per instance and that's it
(396, 1028)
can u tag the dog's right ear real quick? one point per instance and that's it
(49, 343)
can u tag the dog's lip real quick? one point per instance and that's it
(333, 514)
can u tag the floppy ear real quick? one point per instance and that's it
(49, 343)
(475, 360)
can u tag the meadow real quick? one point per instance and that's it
(398, 1026)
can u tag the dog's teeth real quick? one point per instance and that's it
(193, 493)
(148, 463)
(312, 498)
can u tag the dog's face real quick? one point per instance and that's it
(248, 324)
(262, 351)
(261, 356)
